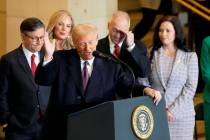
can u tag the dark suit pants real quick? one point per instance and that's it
(31, 133)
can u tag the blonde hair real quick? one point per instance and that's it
(67, 43)
(83, 29)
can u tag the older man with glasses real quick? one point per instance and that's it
(22, 101)
(120, 43)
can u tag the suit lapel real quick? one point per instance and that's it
(74, 68)
(24, 64)
(41, 55)
(94, 81)
(123, 51)
(159, 67)
(105, 46)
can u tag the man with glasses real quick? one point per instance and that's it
(120, 43)
(22, 101)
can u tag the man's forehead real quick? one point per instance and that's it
(37, 31)
(120, 24)
(87, 35)
(120, 27)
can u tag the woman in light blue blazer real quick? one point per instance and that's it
(174, 72)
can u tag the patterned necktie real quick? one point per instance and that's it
(85, 75)
(116, 52)
(33, 64)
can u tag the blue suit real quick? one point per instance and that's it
(64, 74)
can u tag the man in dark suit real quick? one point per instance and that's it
(22, 101)
(66, 71)
(130, 51)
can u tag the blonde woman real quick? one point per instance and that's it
(59, 28)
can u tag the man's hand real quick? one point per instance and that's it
(154, 94)
(49, 47)
(129, 38)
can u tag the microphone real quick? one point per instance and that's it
(105, 56)
(117, 60)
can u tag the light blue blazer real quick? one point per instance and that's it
(182, 83)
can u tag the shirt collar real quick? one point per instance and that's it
(29, 53)
(90, 62)
(112, 43)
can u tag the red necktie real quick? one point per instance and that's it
(116, 52)
(85, 76)
(33, 64)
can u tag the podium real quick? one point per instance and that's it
(118, 120)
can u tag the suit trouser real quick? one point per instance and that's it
(32, 133)
(207, 119)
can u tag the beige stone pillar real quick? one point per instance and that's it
(96, 12)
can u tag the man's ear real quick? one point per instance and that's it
(22, 36)
(108, 25)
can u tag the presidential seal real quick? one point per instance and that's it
(142, 122)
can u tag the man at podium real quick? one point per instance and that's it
(79, 80)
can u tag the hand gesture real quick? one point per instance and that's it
(154, 94)
(49, 47)
(129, 38)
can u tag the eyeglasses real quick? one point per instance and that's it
(35, 39)
(116, 31)
(83, 44)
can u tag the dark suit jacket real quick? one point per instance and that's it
(137, 59)
(67, 96)
(19, 92)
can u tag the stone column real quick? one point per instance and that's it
(96, 12)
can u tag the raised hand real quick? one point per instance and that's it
(49, 47)
(129, 38)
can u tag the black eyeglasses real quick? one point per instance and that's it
(35, 39)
